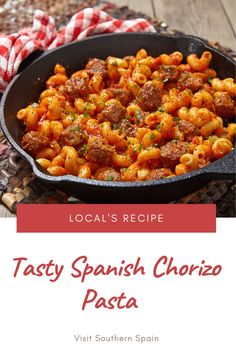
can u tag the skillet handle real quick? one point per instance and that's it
(223, 168)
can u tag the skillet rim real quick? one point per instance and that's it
(214, 168)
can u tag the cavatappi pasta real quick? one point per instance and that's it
(133, 118)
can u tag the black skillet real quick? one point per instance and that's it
(27, 85)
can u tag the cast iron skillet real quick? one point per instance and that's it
(27, 85)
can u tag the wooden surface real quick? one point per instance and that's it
(211, 19)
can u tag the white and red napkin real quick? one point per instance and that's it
(14, 48)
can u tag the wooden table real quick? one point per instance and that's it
(210, 19)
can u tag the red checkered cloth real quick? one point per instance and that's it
(14, 48)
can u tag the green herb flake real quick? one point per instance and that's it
(140, 147)
(158, 127)
(156, 145)
(210, 79)
(149, 148)
(152, 137)
(75, 129)
(120, 91)
(138, 115)
(85, 148)
(86, 115)
(161, 109)
(110, 178)
(115, 126)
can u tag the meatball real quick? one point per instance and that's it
(96, 66)
(77, 86)
(149, 97)
(127, 128)
(169, 72)
(188, 81)
(224, 105)
(123, 95)
(73, 136)
(99, 151)
(159, 173)
(113, 113)
(107, 174)
(34, 141)
(187, 128)
(171, 153)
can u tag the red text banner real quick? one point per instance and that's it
(116, 218)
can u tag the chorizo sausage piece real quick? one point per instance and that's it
(187, 128)
(99, 151)
(73, 136)
(77, 87)
(224, 105)
(158, 173)
(127, 128)
(107, 174)
(169, 72)
(34, 141)
(149, 97)
(113, 113)
(123, 95)
(171, 153)
(188, 81)
(96, 66)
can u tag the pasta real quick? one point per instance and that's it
(134, 118)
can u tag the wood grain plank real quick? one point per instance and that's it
(5, 213)
(230, 10)
(198, 17)
(137, 5)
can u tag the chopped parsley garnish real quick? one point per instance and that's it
(119, 91)
(110, 178)
(84, 149)
(86, 115)
(138, 115)
(161, 109)
(152, 136)
(158, 127)
(149, 148)
(76, 129)
(115, 126)
(140, 147)
(155, 145)
(87, 106)
(210, 79)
